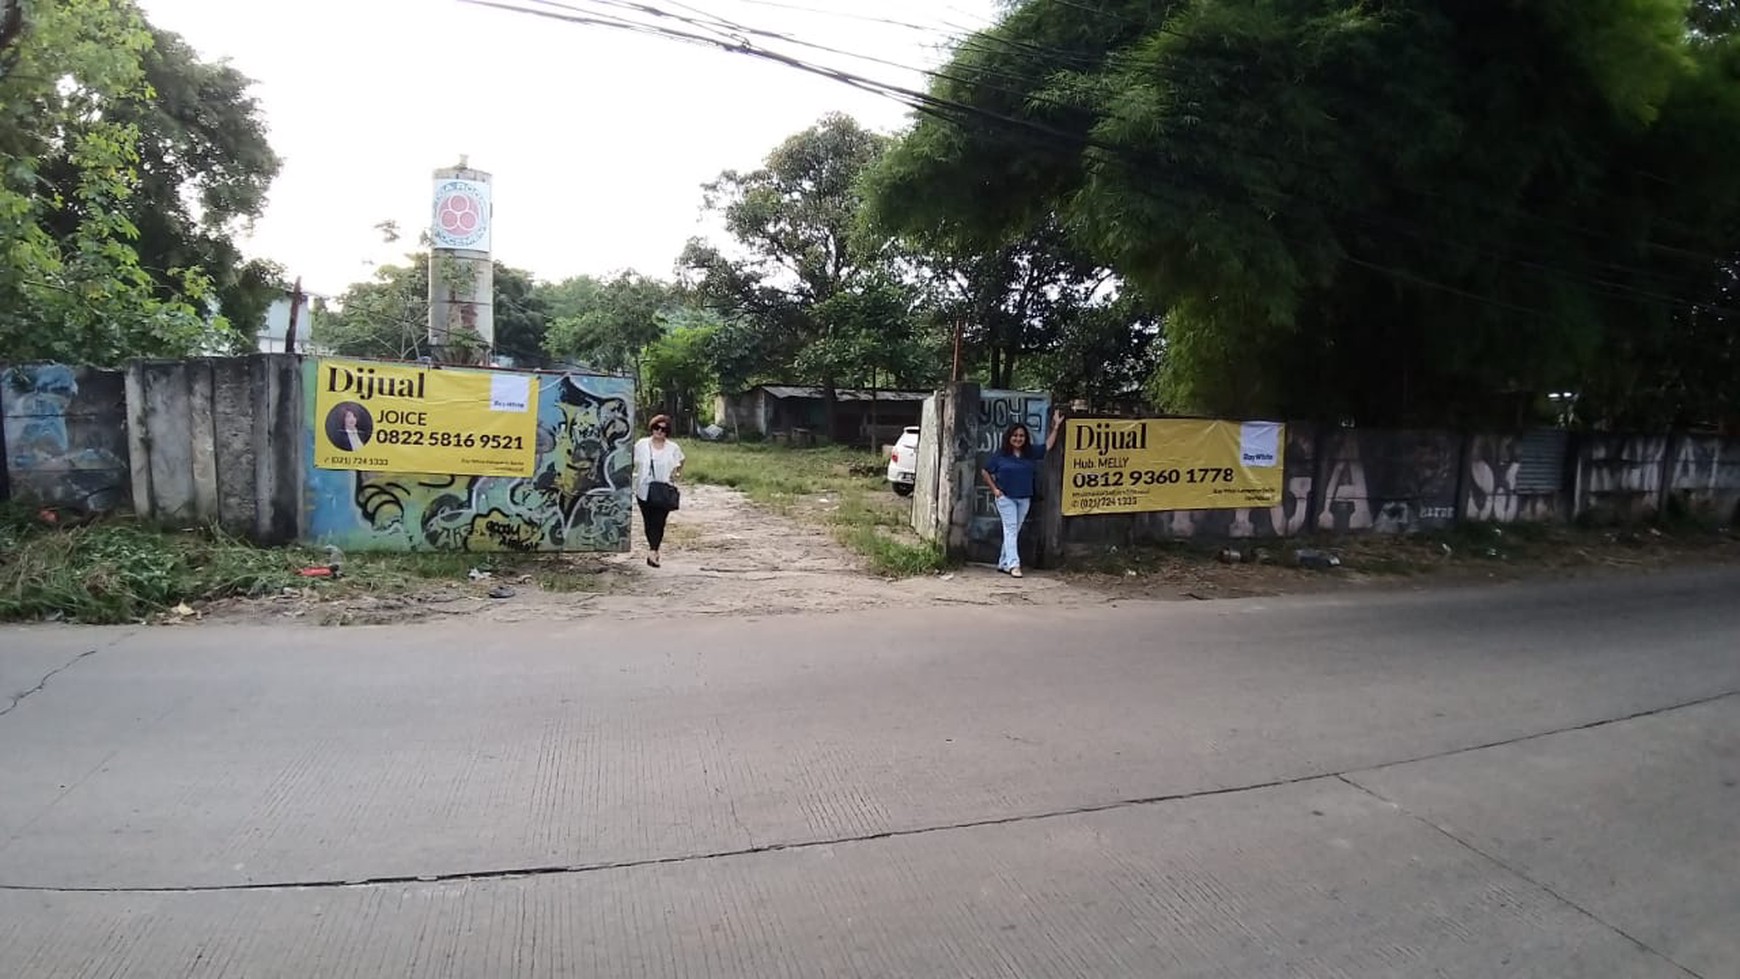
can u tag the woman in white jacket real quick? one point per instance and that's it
(657, 459)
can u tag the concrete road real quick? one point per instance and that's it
(1530, 780)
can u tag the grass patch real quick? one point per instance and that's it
(843, 489)
(122, 570)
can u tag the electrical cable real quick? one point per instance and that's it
(947, 109)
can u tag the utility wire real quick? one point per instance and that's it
(978, 41)
(954, 112)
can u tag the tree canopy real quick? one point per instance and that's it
(825, 301)
(388, 316)
(1410, 212)
(128, 166)
(71, 284)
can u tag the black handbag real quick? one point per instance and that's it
(665, 496)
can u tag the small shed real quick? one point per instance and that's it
(863, 416)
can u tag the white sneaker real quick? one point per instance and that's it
(1014, 572)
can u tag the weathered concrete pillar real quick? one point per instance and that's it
(202, 439)
(960, 465)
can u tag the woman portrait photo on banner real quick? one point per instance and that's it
(349, 426)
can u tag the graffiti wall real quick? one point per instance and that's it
(578, 498)
(66, 436)
(1368, 481)
(1619, 477)
(983, 435)
(1387, 482)
(1703, 478)
(1515, 478)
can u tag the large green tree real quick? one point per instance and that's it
(816, 289)
(204, 169)
(72, 285)
(1408, 212)
(608, 324)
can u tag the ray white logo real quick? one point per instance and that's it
(510, 392)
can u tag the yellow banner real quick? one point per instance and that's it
(407, 418)
(1151, 464)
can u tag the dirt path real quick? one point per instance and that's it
(725, 556)
(722, 556)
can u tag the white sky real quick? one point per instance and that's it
(598, 140)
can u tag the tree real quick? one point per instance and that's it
(204, 169)
(72, 287)
(679, 375)
(1020, 300)
(796, 223)
(608, 325)
(388, 316)
(521, 317)
(1442, 211)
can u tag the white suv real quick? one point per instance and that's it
(903, 462)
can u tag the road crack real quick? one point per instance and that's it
(43, 683)
(551, 870)
(1515, 871)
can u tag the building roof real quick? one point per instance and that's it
(783, 391)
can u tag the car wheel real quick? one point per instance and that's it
(902, 489)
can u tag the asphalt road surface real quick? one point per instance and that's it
(1529, 780)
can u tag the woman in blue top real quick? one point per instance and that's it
(1012, 472)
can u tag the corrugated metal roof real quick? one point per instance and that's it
(844, 394)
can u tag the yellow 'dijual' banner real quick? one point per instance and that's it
(1151, 464)
(415, 419)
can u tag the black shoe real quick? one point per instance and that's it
(651, 563)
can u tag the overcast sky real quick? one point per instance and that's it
(598, 140)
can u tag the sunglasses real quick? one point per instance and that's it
(661, 428)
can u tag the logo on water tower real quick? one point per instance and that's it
(461, 215)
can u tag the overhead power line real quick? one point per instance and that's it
(708, 30)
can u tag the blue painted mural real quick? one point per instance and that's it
(66, 436)
(577, 499)
(997, 411)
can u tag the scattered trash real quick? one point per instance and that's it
(524, 579)
(1315, 560)
(1448, 551)
(318, 572)
(476, 575)
(1262, 556)
(948, 577)
(334, 558)
(1129, 572)
(184, 610)
(501, 591)
(1230, 556)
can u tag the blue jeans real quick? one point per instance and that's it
(1014, 514)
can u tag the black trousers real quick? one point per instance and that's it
(653, 519)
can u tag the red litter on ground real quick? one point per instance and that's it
(315, 572)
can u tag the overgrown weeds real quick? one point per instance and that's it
(843, 489)
(122, 570)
